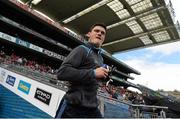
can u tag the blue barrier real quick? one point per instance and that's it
(118, 110)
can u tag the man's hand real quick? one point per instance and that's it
(101, 73)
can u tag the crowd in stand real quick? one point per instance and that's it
(110, 90)
(120, 93)
(22, 61)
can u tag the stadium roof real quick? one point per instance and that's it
(131, 23)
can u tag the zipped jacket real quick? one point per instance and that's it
(79, 69)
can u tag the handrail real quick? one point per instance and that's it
(150, 106)
(39, 78)
(133, 105)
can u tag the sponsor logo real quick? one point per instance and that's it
(2, 75)
(34, 47)
(23, 43)
(7, 37)
(24, 87)
(43, 96)
(52, 54)
(10, 80)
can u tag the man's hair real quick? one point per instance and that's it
(97, 24)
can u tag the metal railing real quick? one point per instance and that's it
(136, 110)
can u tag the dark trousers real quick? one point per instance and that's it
(66, 110)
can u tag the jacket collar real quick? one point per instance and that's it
(93, 47)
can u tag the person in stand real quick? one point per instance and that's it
(83, 68)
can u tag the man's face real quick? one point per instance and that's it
(97, 35)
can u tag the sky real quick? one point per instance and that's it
(159, 65)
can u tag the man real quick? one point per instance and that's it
(82, 68)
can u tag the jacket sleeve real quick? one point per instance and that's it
(70, 71)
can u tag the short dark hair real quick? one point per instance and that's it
(97, 24)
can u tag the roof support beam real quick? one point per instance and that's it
(139, 35)
(123, 74)
(135, 17)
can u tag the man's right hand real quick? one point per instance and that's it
(101, 73)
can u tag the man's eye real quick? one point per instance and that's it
(102, 32)
(96, 30)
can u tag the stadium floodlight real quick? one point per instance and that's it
(142, 6)
(115, 5)
(134, 26)
(146, 40)
(35, 2)
(161, 36)
(151, 21)
(123, 14)
(131, 2)
(89, 9)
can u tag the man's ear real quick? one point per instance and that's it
(88, 34)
